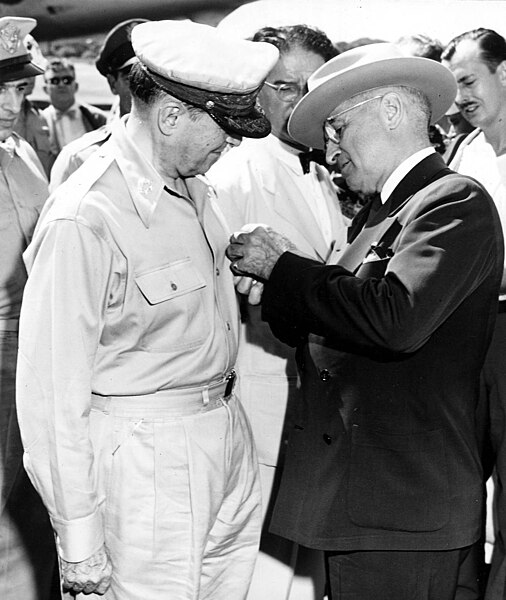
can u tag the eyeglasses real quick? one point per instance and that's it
(66, 79)
(287, 92)
(334, 135)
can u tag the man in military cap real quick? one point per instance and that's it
(132, 432)
(30, 124)
(27, 553)
(114, 62)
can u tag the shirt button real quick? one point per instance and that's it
(217, 272)
(327, 439)
(324, 375)
(173, 285)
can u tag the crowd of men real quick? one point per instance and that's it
(253, 321)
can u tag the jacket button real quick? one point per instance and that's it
(327, 439)
(324, 375)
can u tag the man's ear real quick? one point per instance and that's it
(169, 116)
(392, 109)
(501, 71)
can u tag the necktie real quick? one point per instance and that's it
(71, 113)
(317, 156)
(363, 216)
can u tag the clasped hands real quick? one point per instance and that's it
(92, 575)
(253, 252)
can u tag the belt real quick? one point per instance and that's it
(173, 402)
(9, 324)
(501, 306)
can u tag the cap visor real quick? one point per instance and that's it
(254, 125)
(14, 72)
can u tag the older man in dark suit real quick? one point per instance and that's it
(383, 470)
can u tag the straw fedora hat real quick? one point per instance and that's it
(362, 69)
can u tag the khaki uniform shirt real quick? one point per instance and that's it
(32, 127)
(129, 293)
(23, 191)
(74, 154)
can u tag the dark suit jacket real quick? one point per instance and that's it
(93, 117)
(383, 455)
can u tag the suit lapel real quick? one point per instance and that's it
(371, 227)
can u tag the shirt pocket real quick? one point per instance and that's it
(174, 308)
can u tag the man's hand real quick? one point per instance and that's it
(92, 575)
(256, 253)
(249, 287)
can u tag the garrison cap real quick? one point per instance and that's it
(117, 52)
(207, 68)
(15, 59)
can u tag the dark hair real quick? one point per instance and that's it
(142, 86)
(146, 90)
(57, 64)
(297, 36)
(492, 46)
(422, 45)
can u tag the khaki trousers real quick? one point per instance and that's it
(181, 499)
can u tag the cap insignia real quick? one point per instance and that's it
(10, 37)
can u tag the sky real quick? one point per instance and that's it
(347, 20)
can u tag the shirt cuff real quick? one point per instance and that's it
(78, 539)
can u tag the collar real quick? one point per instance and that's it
(70, 110)
(286, 153)
(402, 170)
(143, 181)
(10, 145)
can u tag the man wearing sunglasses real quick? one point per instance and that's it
(67, 118)
(114, 63)
(383, 467)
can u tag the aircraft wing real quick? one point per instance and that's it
(67, 18)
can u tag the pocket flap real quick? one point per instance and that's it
(170, 281)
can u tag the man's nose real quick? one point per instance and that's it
(233, 140)
(461, 96)
(332, 152)
(11, 101)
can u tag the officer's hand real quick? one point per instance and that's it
(92, 575)
(251, 288)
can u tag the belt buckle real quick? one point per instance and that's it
(229, 388)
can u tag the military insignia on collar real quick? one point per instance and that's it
(9, 38)
(145, 186)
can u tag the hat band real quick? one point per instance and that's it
(233, 104)
(16, 60)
